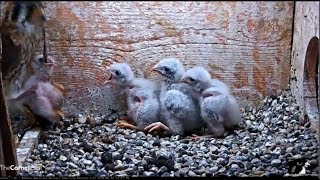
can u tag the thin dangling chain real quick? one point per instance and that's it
(45, 56)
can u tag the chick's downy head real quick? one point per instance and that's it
(120, 74)
(170, 68)
(197, 77)
(44, 65)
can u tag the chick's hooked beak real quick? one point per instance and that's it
(154, 68)
(206, 94)
(47, 64)
(49, 60)
(185, 79)
(108, 81)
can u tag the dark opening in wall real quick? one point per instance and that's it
(310, 81)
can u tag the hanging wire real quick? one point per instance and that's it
(45, 56)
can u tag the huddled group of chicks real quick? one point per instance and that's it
(184, 102)
(27, 83)
(181, 104)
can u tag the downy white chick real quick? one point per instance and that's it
(180, 112)
(219, 108)
(121, 75)
(40, 100)
(199, 79)
(139, 93)
(143, 107)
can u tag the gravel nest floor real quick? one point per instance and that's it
(270, 142)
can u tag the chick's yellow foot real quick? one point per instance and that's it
(61, 125)
(126, 125)
(60, 118)
(31, 121)
(60, 113)
(156, 127)
(195, 137)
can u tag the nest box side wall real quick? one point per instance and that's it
(245, 44)
(305, 57)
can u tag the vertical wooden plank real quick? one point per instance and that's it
(9, 151)
(303, 59)
(2, 171)
(305, 28)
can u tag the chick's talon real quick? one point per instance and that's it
(61, 125)
(195, 137)
(126, 125)
(60, 113)
(31, 121)
(157, 126)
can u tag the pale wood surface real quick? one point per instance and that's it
(27, 145)
(246, 44)
(306, 28)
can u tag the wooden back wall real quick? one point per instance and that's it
(245, 44)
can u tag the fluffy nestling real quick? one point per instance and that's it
(40, 100)
(141, 96)
(143, 107)
(219, 108)
(180, 112)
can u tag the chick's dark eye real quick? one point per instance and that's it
(41, 60)
(191, 79)
(43, 18)
(117, 73)
(136, 99)
(166, 69)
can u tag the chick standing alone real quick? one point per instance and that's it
(40, 100)
(180, 112)
(219, 108)
(141, 95)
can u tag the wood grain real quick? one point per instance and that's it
(304, 58)
(245, 44)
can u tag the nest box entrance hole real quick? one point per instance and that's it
(311, 80)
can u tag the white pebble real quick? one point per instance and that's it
(63, 158)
